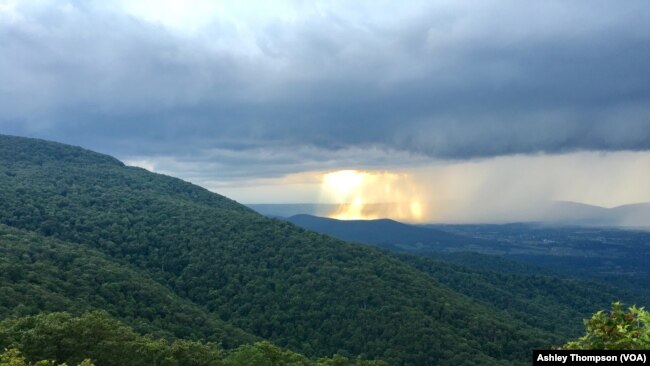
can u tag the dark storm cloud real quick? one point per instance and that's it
(446, 81)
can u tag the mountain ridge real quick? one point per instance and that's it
(386, 233)
(633, 215)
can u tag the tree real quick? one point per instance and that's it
(265, 354)
(13, 357)
(617, 329)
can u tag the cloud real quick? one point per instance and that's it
(247, 92)
(227, 168)
(523, 188)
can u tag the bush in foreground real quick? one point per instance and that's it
(616, 329)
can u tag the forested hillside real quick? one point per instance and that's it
(169, 257)
(44, 274)
(543, 300)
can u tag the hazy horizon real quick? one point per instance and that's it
(552, 213)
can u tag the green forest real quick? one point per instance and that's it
(105, 264)
(95, 337)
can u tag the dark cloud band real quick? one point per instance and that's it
(445, 83)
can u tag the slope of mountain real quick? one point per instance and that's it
(530, 293)
(573, 213)
(537, 297)
(386, 233)
(635, 215)
(302, 290)
(44, 274)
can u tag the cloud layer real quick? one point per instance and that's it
(270, 91)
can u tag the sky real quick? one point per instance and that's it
(498, 104)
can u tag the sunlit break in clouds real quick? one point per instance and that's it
(366, 195)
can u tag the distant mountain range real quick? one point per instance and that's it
(558, 213)
(563, 212)
(386, 233)
(285, 210)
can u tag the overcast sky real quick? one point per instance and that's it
(240, 94)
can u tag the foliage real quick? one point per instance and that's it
(13, 357)
(44, 274)
(541, 300)
(96, 336)
(616, 329)
(266, 354)
(63, 338)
